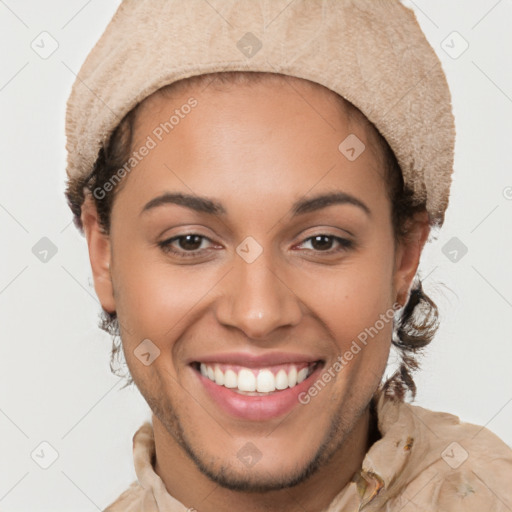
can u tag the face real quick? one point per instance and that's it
(254, 278)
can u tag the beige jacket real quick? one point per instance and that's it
(425, 461)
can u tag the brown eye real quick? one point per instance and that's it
(324, 243)
(184, 245)
(190, 242)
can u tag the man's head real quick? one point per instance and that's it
(263, 276)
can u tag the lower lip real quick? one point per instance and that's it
(256, 408)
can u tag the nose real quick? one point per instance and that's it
(257, 300)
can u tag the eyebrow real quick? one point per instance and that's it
(212, 207)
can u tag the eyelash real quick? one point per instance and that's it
(166, 246)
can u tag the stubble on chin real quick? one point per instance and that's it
(252, 480)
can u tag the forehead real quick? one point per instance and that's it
(295, 93)
(275, 138)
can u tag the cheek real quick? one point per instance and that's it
(356, 305)
(352, 298)
(362, 326)
(155, 299)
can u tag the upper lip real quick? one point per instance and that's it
(255, 361)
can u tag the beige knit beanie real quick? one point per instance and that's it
(371, 52)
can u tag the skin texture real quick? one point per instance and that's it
(256, 149)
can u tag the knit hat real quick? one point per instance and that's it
(373, 53)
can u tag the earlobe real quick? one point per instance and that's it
(408, 255)
(99, 254)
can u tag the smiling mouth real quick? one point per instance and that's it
(257, 381)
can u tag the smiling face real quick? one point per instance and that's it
(253, 272)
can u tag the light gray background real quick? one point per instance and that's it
(55, 381)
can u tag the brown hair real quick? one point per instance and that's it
(414, 325)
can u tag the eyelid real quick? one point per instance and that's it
(327, 230)
(345, 244)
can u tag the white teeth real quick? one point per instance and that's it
(219, 376)
(248, 381)
(230, 379)
(292, 377)
(281, 380)
(265, 382)
(302, 375)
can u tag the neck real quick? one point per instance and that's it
(187, 484)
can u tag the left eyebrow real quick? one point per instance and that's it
(323, 200)
(212, 207)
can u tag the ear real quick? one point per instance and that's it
(99, 254)
(408, 255)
